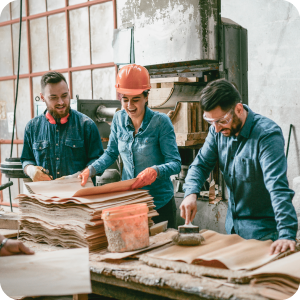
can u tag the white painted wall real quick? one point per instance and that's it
(274, 64)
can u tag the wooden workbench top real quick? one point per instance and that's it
(137, 280)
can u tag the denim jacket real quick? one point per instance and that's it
(153, 146)
(63, 149)
(254, 168)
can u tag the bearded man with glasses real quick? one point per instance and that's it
(250, 150)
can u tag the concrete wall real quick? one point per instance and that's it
(273, 54)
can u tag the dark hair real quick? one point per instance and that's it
(52, 77)
(221, 93)
(146, 93)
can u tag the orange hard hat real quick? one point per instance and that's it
(133, 80)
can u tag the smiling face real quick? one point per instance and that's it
(134, 105)
(57, 99)
(234, 125)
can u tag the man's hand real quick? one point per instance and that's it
(84, 175)
(188, 208)
(13, 247)
(281, 246)
(36, 173)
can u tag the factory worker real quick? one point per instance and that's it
(12, 247)
(61, 140)
(250, 150)
(146, 141)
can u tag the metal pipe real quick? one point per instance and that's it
(56, 11)
(72, 69)
(289, 138)
(17, 89)
(104, 112)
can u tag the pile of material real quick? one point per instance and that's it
(279, 279)
(62, 218)
(218, 251)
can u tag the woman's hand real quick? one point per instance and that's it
(146, 177)
(84, 175)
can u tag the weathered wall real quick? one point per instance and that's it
(171, 31)
(274, 64)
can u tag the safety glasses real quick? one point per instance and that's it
(222, 121)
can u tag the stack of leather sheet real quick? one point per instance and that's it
(61, 217)
(279, 279)
(218, 251)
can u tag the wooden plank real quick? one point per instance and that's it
(9, 233)
(158, 96)
(191, 136)
(167, 84)
(62, 272)
(9, 221)
(194, 117)
(80, 297)
(173, 79)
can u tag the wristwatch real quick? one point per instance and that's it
(3, 243)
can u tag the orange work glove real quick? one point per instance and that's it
(84, 175)
(146, 177)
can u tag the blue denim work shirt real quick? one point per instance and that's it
(153, 146)
(63, 149)
(254, 168)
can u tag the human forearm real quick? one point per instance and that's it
(167, 169)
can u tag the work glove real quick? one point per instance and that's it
(70, 176)
(146, 177)
(84, 175)
(37, 173)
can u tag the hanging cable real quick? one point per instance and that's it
(17, 88)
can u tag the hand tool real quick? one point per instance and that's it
(188, 235)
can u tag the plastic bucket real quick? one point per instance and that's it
(126, 227)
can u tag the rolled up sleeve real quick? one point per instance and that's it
(27, 156)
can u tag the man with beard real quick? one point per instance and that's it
(250, 150)
(61, 140)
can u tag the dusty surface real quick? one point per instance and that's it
(137, 272)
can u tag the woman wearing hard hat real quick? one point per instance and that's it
(146, 141)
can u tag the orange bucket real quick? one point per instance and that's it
(126, 227)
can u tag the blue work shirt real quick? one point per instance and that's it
(254, 168)
(63, 149)
(153, 146)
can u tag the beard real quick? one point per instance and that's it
(236, 125)
(56, 115)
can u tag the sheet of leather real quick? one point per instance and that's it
(64, 272)
(73, 221)
(72, 187)
(68, 187)
(289, 266)
(220, 250)
(273, 294)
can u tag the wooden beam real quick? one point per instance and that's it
(174, 79)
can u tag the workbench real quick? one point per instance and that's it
(132, 279)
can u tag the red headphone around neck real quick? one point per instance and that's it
(52, 120)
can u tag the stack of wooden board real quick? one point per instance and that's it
(73, 219)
